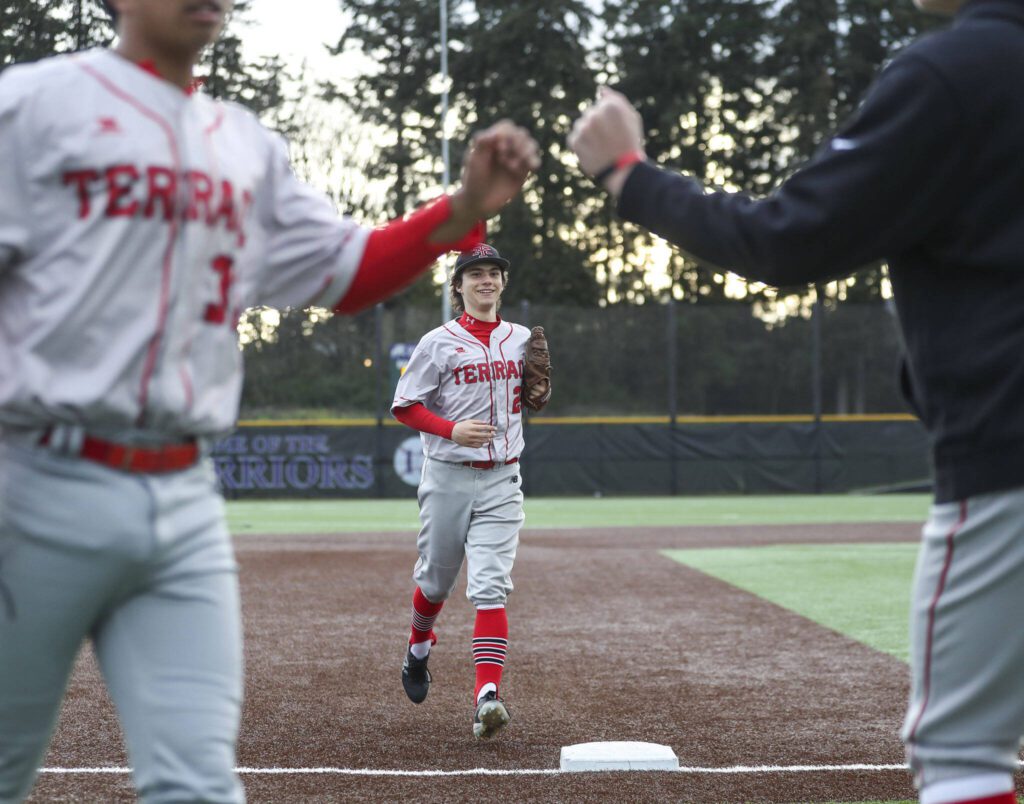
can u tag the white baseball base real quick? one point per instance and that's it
(608, 756)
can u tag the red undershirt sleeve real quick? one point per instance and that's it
(419, 418)
(399, 252)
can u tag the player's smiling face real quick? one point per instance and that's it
(482, 285)
(173, 25)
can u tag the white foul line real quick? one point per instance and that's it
(736, 769)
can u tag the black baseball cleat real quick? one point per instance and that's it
(415, 677)
(491, 716)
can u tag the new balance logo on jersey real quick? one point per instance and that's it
(127, 191)
(485, 372)
(109, 125)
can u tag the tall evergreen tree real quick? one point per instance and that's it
(33, 29)
(825, 56)
(397, 99)
(528, 61)
(694, 69)
(396, 96)
(523, 61)
(258, 85)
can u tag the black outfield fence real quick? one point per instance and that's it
(362, 459)
(651, 399)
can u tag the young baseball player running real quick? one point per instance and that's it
(928, 175)
(463, 390)
(137, 219)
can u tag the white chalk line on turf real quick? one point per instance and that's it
(736, 769)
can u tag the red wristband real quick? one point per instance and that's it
(627, 159)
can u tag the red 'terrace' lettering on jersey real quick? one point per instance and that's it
(485, 372)
(128, 191)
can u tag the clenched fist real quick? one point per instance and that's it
(608, 130)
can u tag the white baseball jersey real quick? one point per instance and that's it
(456, 377)
(136, 223)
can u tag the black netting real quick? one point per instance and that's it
(608, 361)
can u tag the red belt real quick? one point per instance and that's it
(147, 460)
(488, 464)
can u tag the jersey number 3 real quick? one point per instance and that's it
(217, 313)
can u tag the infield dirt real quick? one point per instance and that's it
(609, 641)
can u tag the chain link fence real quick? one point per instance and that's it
(675, 360)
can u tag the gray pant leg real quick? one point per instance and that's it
(172, 653)
(446, 493)
(966, 712)
(61, 558)
(494, 535)
(40, 634)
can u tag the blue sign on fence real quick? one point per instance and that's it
(399, 354)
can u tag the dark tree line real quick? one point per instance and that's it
(737, 92)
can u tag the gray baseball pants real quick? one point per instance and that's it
(966, 712)
(473, 515)
(143, 565)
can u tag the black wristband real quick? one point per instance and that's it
(604, 173)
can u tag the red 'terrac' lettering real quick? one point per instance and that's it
(81, 179)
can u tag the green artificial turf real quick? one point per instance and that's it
(332, 516)
(321, 516)
(860, 590)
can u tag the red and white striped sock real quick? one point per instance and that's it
(1001, 798)
(424, 613)
(981, 788)
(490, 644)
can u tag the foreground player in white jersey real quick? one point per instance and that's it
(137, 219)
(462, 389)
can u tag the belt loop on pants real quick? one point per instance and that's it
(488, 464)
(129, 457)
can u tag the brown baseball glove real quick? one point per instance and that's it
(537, 371)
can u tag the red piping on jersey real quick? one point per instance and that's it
(186, 377)
(165, 276)
(508, 398)
(930, 633)
(490, 384)
(150, 67)
(216, 123)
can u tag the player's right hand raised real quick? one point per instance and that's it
(473, 433)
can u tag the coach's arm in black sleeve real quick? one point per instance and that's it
(885, 181)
